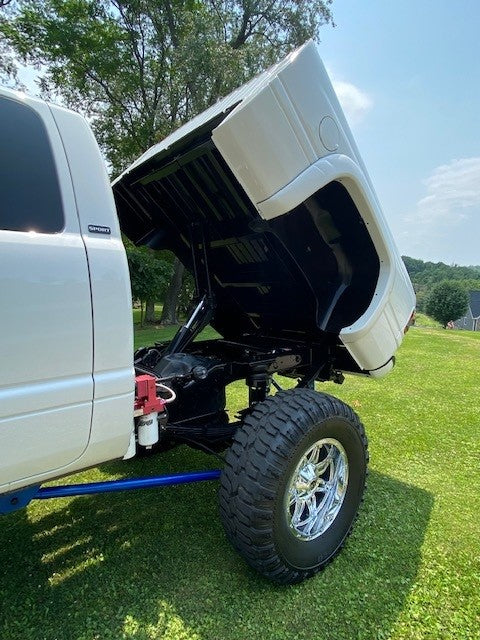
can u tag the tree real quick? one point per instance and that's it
(471, 285)
(425, 275)
(170, 304)
(447, 301)
(8, 72)
(140, 68)
(149, 277)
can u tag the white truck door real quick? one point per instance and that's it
(46, 343)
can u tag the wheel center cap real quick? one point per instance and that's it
(306, 478)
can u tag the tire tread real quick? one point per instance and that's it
(254, 465)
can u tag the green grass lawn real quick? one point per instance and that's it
(422, 320)
(137, 313)
(156, 564)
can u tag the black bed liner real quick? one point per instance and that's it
(309, 271)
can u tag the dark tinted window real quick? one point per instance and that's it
(29, 191)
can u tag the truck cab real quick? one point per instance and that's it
(66, 374)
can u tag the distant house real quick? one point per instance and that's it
(471, 320)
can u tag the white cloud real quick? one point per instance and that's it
(355, 102)
(445, 222)
(452, 190)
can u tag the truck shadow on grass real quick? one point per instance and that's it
(156, 564)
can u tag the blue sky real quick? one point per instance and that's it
(408, 76)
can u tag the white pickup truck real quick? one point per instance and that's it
(265, 199)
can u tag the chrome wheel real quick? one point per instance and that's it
(317, 489)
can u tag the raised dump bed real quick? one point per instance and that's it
(270, 184)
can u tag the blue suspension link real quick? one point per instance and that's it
(18, 499)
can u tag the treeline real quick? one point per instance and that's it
(425, 275)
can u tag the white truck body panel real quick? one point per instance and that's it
(289, 139)
(113, 372)
(66, 375)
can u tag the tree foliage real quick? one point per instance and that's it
(447, 301)
(149, 273)
(426, 275)
(8, 72)
(187, 294)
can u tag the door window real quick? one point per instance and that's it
(30, 197)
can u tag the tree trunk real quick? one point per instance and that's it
(169, 313)
(150, 311)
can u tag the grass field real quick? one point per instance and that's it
(156, 564)
(422, 320)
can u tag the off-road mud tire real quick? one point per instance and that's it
(259, 466)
